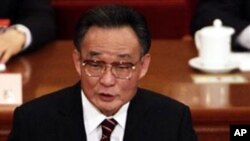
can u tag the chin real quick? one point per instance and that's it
(109, 110)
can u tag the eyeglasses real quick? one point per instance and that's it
(121, 70)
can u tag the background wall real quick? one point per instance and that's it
(166, 18)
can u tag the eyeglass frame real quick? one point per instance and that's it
(110, 65)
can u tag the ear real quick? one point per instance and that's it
(145, 65)
(77, 61)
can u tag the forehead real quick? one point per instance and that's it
(121, 41)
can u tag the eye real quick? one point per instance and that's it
(94, 64)
(123, 66)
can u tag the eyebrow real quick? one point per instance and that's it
(94, 53)
(125, 56)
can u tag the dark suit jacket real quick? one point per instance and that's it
(234, 13)
(37, 15)
(59, 117)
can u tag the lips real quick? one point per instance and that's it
(106, 97)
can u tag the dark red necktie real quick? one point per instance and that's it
(108, 126)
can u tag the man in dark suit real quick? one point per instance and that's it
(111, 56)
(233, 13)
(31, 25)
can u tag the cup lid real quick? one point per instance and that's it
(217, 29)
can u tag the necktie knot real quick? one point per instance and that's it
(108, 126)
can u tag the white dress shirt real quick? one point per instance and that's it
(93, 118)
(244, 37)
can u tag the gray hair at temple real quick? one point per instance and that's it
(112, 16)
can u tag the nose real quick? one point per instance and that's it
(108, 79)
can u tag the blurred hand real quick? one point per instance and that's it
(11, 43)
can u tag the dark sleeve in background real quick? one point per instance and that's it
(233, 13)
(38, 16)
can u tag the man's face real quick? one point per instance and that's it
(111, 46)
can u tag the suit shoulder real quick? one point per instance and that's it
(159, 101)
(49, 101)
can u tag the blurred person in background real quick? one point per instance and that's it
(31, 26)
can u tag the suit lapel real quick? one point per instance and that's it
(70, 125)
(134, 130)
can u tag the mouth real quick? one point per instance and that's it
(106, 97)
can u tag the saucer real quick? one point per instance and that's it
(197, 64)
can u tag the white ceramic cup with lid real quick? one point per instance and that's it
(214, 45)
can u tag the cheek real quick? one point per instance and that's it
(132, 83)
(88, 84)
(128, 89)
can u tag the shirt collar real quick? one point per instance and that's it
(93, 117)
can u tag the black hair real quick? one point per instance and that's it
(112, 16)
